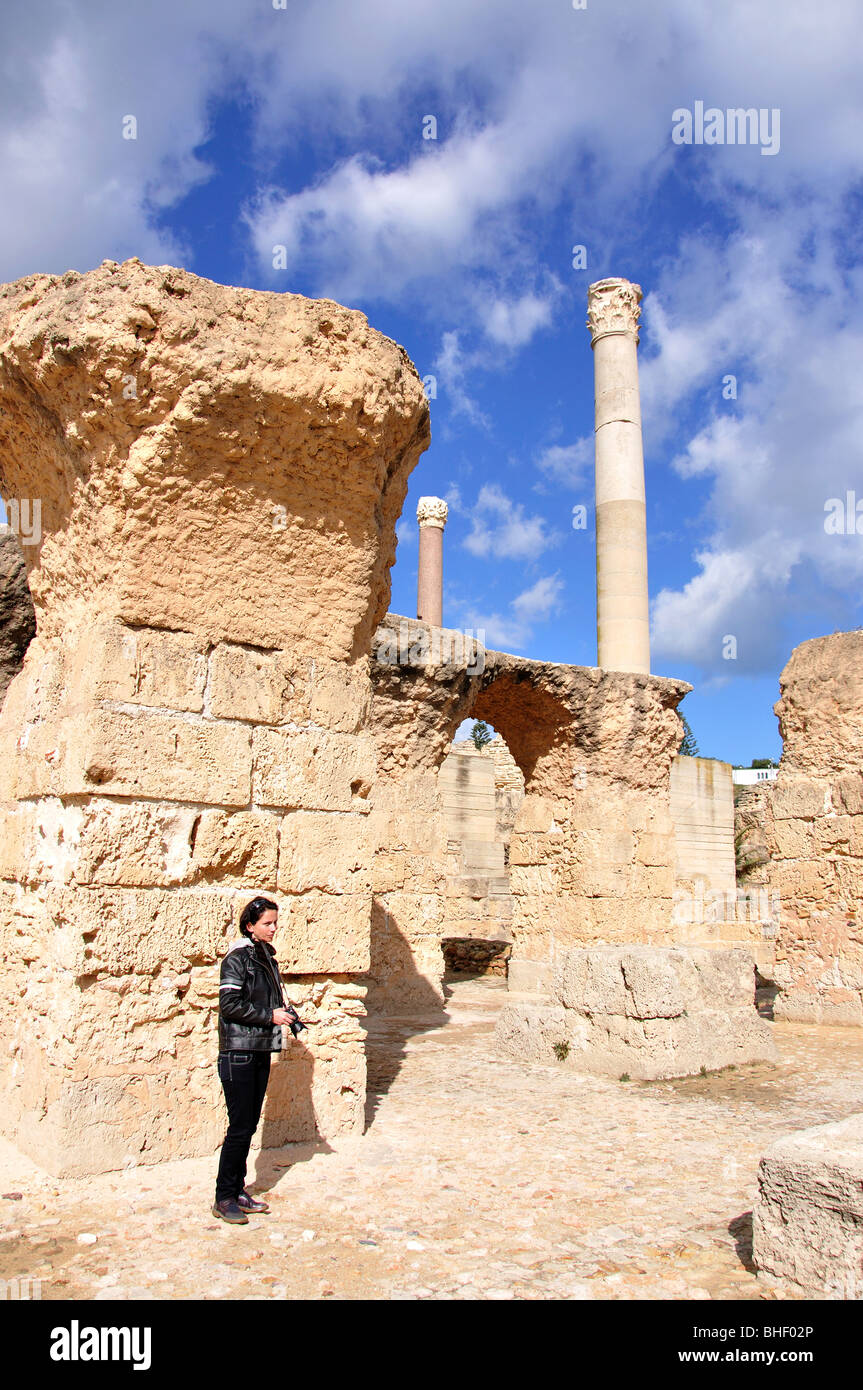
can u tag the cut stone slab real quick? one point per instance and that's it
(652, 1012)
(807, 1223)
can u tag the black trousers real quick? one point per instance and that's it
(244, 1077)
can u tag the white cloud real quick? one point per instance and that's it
(514, 630)
(502, 529)
(570, 464)
(451, 367)
(774, 456)
(398, 210)
(512, 323)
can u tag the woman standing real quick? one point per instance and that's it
(252, 1010)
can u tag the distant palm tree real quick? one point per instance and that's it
(480, 735)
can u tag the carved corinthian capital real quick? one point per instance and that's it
(432, 511)
(613, 307)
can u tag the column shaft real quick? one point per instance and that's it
(623, 635)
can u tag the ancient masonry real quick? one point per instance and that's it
(220, 472)
(801, 836)
(217, 703)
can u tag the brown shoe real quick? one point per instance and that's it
(229, 1210)
(246, 1202)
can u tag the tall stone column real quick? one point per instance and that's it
(431, 515)
(622, 629)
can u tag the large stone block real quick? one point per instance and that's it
(264, 687)
(649, 1012)
(807, 1225)
(340, 695)
(325, 932)
(331, 851)
(113, 752)
(236, 846)
(315, 771)
(123, 931)
(141, 666)
(796, 798)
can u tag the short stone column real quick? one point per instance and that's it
(431, 515)
(623, 639)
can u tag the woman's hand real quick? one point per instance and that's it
(282, 1016)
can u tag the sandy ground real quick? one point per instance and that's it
(476, 1178)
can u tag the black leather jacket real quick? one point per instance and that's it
(250, 988)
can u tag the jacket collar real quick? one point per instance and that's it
(248, 941)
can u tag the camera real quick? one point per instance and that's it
(296, 1024)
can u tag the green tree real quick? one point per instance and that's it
(763, 762)
(480, 734)
(688, 746)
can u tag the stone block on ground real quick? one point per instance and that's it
(808, 1217)
(651, 1012)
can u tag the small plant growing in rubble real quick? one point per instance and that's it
(561, 1051)
(624, 1076)
(703, 1071)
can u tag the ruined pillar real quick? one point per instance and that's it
(623, 639)
(219, 472)
(431, 515)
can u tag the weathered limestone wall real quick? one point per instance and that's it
(220, 473)
(702, 809)
(592, 850)
(813, 830)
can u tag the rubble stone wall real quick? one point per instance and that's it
(220, 472)
(813, 831)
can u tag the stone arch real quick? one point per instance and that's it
(591, 852)
(533, 723)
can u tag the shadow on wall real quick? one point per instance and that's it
(288, 1107)
(417, 1006)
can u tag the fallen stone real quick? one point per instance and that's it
(808, 1217)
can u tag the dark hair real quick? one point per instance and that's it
(253, 910)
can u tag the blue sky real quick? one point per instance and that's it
(302, 127)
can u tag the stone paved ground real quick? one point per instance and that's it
(477, 1178)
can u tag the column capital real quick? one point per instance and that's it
(432, 511)
(613, 306)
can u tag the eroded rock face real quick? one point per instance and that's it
(198, 448)
(813, 830)
(220, 472)
(17, 618)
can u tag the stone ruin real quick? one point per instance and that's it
(800, 837)
(220, 474)
(217, 703)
